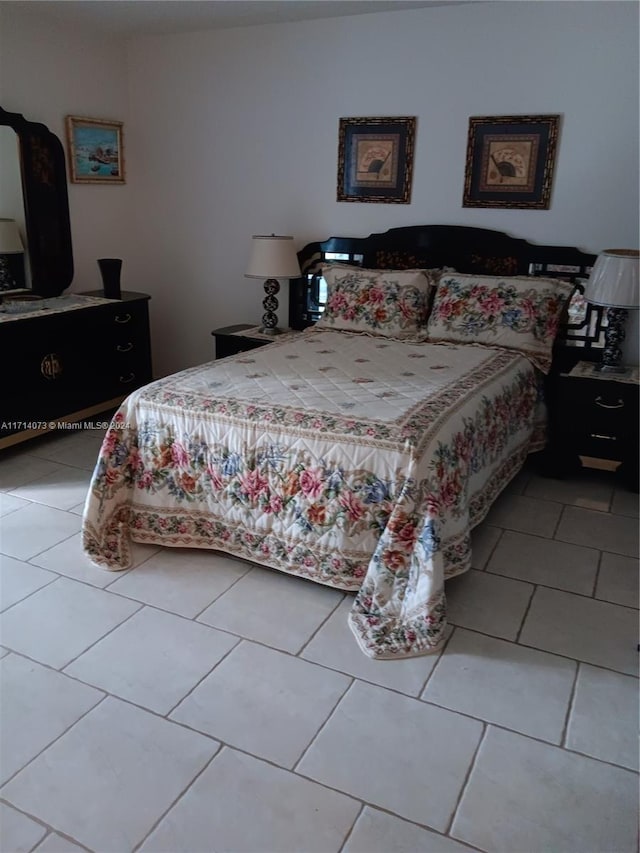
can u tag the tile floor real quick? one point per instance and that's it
(197, 704)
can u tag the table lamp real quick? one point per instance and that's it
(272, 257)
(613, 283)
(11, 256)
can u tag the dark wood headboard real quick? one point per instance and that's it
(467, 250)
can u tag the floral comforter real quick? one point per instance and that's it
(354, 461)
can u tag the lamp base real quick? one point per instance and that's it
(613, 337)
(270, 305)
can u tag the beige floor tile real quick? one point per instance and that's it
(154, 659)
(55, 843)
(18, 833)
(10, 503)
(108, 779)
(615, 533)
(60, 621)
(67, 558)
(378, 832)
(582, 628)
(519, 482)
(273, 608)
(528, 515)
(78, 448)
(334, 646)
(487, 603)
(18, 468)
(34, 528)
(249, 806)
(62, 489)
(378, 744)
(545, 561)
(483, 541)
(264, 702)
(618, 579)
(19, 579)
(604, 717)
(591, 491)
(182, 580)
(503, 683)
(626, 503)
(524, 795)
(38, 705)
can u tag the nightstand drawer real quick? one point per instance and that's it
(597, 407)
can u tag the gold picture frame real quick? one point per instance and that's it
(375, 159)
(510, 161)
(96, 154)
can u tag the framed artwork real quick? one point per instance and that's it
(510, 161)
(375, 159)
(96, 153)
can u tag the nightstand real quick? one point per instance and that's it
(595, 415)
(234, 339)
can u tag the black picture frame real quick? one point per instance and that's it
(375, 159)
(510, 161)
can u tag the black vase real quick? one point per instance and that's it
(110, 269)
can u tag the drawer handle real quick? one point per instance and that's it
(606, 437)
(124, 348)
(122, 318)
(126, 379)
(51, 366)
(618, 405)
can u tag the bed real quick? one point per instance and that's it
(360, 450)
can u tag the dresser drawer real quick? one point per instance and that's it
(125, 355)
(67, 363)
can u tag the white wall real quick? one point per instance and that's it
(233, 133)
(48, 72)
(239, 132)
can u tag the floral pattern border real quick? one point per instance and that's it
(391, 530)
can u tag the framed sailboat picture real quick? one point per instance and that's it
(96, 153)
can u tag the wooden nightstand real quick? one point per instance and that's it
(234, 339)
(595, 415)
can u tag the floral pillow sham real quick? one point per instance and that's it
(390, 303)
(516, 312)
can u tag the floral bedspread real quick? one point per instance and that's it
(354, 461)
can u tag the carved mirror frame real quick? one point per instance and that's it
(46, 204)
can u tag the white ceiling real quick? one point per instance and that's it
(148, 17)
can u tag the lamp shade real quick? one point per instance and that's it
(272, 257)
(614, 279)
(10, 242)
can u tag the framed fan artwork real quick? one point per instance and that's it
(510, 161)
(375, 159)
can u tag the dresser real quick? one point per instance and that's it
(65, 365)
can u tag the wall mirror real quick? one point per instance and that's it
(43, 218)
